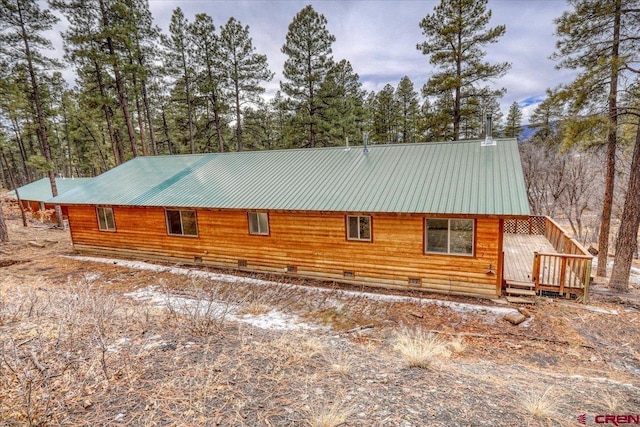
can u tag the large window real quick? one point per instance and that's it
(359, 228)
(181, 223)
(259, 223)
(449, 236)
(106, 221)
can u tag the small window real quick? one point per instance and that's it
(105, 219)
(359, 228)
(449, 236)
(181, 223)
(259, 223)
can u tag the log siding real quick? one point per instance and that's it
(312, 244)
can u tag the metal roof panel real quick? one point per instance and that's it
(448, 178)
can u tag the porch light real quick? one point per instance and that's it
(490, 270)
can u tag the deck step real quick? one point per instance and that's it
(520, 285)
(520, 300)
(520, 292)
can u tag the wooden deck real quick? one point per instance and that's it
(518, 255)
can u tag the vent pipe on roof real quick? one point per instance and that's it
(488, 139)
(347, 148)
(365, 140)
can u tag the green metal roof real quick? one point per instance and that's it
(446, 178)
(40, 190)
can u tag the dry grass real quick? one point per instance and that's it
(457, 344)
(328, 415)
(342, 365)
(254, 308)
(541, 405)
(613, 402)
(420, 349)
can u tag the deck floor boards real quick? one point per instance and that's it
(518, 255)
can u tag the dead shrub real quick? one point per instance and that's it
(420, 349)
(456, 344)
(203, 311)
(541, 405)
(328, 415)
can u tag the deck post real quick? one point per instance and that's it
(587, 282)
(536, 270)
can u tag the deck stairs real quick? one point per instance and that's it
(520, 292)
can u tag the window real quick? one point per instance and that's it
(359, 228)
(105, 219)
(449, 236)
(181, 223)
(259, 223)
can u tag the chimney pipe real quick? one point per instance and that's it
(488, 139)
(365, 138)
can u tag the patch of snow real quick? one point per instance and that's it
(158, 297)
(273, 320)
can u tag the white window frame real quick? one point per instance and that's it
(359, 238)
(182, 233)
(448, 251)
(253, 219)
(101, 213)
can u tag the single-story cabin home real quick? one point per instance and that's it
(34, 196)
(432, 216)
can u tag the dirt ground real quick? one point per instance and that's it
(99, 343)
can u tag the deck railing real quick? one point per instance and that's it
(566, 272)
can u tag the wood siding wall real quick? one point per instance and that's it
(315, 243)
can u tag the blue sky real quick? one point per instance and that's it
(379, 38)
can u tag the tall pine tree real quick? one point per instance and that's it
(308, 49)
(409, 110)
(513, 129)
(456, 37)
(179, 65)
(245, 69)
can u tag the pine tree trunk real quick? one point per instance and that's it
(42, 127)
(4, 232)
(122, 96)
(187, 88)
(605, 225)
(628, 234)
(14, 187)
(216, 113)
(23, 153)
(238, 116)
(145, 101)
(147, 109)
(165, 129)
(107, 114)
(139, 115)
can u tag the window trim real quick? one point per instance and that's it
(449, 253)
(249, 214)
(113, 217)
(166, 220)
(358, 239)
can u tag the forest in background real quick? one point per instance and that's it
(198, 88)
